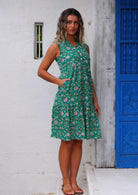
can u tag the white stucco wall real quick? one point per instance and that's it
(28, 156)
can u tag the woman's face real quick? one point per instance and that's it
(72, 24)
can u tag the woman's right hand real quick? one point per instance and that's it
(62, 81)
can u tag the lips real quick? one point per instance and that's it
(72, 30)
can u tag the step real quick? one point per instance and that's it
(44, 194)
(93, 188)
(112, 181)
(81, 182)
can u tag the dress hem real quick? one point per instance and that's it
(69, 139)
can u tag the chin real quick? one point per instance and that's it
(73, 33)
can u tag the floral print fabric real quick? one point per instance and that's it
(73, 113)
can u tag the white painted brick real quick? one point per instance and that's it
(26, 148)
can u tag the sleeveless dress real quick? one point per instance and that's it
(73, 113)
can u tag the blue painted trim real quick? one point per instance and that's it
(128, 7)
(128, 77)
(117, 155)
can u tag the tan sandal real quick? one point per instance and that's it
(80, 191)
(66, 193)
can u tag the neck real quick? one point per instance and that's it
(71, 38)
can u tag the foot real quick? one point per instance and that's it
(67, 189)
(76, 188)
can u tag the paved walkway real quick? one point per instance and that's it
(112, 181)
(44, 194)
(81, 182)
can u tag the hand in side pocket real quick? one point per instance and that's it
(63, 81)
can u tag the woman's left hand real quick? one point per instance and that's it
(97, 108)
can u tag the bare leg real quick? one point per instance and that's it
(64, 160)
(76, 155)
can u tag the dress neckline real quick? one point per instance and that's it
(72, 44)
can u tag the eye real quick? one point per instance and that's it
(76, 22)
(68, 22)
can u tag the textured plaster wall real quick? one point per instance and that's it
(104, 68)
(28, 156)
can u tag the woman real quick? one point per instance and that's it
(75, 110)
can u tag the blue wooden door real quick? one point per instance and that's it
(127, 83)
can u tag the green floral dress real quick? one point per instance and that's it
(73, 113)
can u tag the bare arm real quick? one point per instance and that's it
(49, 57)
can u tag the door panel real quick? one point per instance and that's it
(127, 83)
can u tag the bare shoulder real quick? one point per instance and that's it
(53, 49)
(54, 46)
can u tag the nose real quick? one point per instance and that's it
(72, 24)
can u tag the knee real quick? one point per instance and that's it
(77, 143)
(67, 144)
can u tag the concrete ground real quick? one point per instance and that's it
(81, 182)
(112, 181)
(45, 194)
(106, 181)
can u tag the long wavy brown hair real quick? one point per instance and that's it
(61, 34)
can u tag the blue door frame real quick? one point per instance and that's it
(126, 143)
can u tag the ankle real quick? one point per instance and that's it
(66, 180)
(73, 180)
